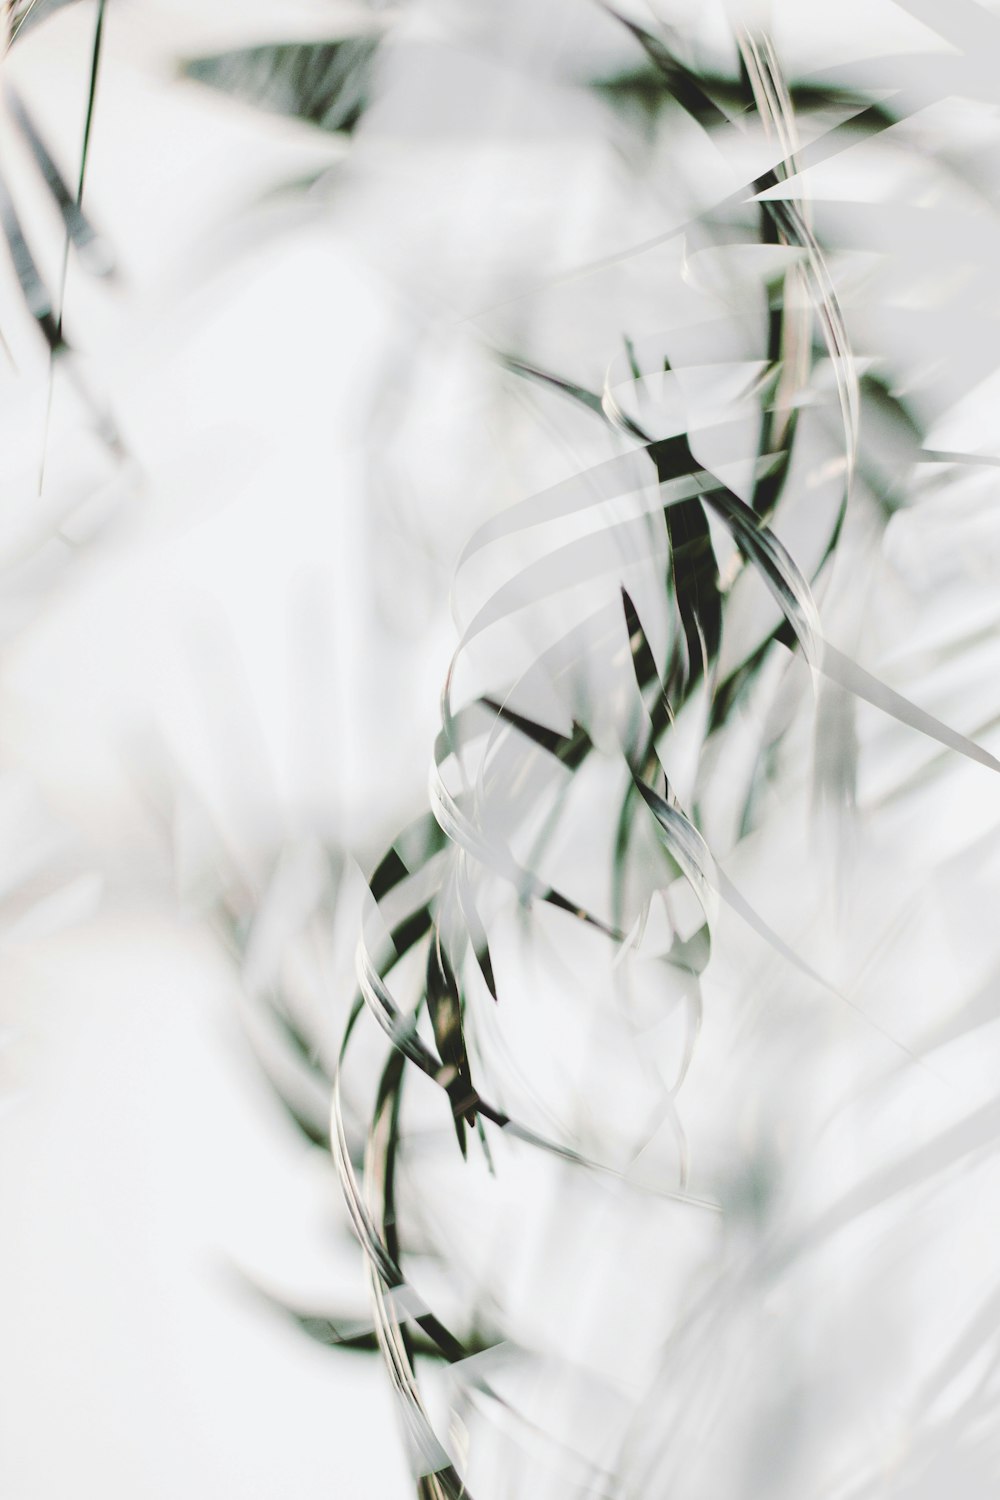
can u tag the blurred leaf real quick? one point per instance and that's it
(33, 289)
(666, 74)
(26, 14)
(324, 83)
(95, 254)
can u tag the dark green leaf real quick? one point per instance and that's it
(324, 83)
